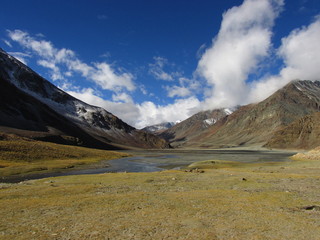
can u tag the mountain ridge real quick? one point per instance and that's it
(255, 124)
(90, 121)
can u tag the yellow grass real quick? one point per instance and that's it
(231, 202)
(20, 156)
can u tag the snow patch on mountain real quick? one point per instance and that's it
(160, 127)
(210, 121)
(228, 111)
(33, 84)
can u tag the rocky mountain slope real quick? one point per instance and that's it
(159, 128)
(303, 133)
(259, 124)
(31, 106)
(192, 127)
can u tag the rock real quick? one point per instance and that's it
(312, 207)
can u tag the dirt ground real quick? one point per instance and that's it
(244, 201)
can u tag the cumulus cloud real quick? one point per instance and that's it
(54, 59)
(300, 52)
(144, 114)
(178, 91)
(122, 97)
(181, 109)
(187, 87)
(226, 66)
(243, 41)
(239, 50)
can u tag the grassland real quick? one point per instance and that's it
(228, 201)
(24, 156)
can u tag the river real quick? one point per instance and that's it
(158, 160)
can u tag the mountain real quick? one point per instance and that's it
(303, 133)
(259, 124)
(192, 127)
(159, 128)
(31, 106)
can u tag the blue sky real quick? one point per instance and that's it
(154, 61)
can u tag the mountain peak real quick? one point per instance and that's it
(253, 124)
(42, 104)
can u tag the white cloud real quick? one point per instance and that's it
(55, 70)
(242, 44)
(50, 57)
(122, 97)
(156, 69)
(243, 41)
(201, 51)
(7, 43)
(144, 114)
(105, 76)
(187, 87)
(143, 89)
(181, 109)
(178, 91)
(22, 57)
(301, 54)
(125, 111)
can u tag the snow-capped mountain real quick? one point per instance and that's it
(211, 121)
(87, 120)
(157, 128)
(195, 125)
(289, 118)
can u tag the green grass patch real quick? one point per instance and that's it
(214, 164)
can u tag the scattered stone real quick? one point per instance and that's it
(174, 179)
(49, 181)
(312, 207)
(244, 179)
(194, 170)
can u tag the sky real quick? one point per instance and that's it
(152, 61)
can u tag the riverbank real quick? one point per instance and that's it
(145, 161)
(246, 201)
(21, 157)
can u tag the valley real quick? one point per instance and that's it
(264, 201)
(138, 161)
(71, 170)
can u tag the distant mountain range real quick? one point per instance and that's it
(159, 128)
(289, 118)
(31, 106)
(181, 133)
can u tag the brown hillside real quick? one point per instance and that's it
(256, 124)
(303, 133)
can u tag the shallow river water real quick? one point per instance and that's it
(157, 160)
